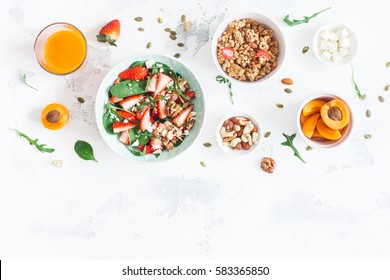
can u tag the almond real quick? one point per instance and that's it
(287, 81)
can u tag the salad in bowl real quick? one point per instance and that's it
(150, 108)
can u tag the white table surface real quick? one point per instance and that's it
(335, 206)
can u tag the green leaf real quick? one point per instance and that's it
(40, 147)
(84, 150)
(222, 80)
(24, 80)
(138, 63)
(289, 143)
(109, 118)
(143, 137)
(355, 84)
(306, 19)
(128, 88)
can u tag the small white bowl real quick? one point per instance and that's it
(229, 150)
(334, 27)
(319, 143)
(261, 19)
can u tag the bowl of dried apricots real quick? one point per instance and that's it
(324, 120)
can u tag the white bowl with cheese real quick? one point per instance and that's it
(335, 44)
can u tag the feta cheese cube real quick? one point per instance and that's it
(342, 33)
(333, 37)
(345, 43)
(325, 34)
(344, 51)
(337, 57)
(325, 56)
(324, 46)
(333, 47)
(149, 63)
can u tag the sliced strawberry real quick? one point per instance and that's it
(162, 82)
(113, 99)
(155, 142)
(130, 101)
(127, 115)
(145, 120)
(152, 84)
(152, 120)
(263, 53)
(190, 94)
(149, 149)
(180, 119)
(137, 73)
(227, 53)
(154, 112)
(110, 32)
(121, 126)
(174, 96)
(124, 137)
(161, 109)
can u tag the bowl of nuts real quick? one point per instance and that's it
(248, 47)
(238, 134)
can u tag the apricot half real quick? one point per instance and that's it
(54, 116)
(313, 107)
(335, 114)
(326, 131)
(310, 124)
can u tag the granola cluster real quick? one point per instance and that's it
(255, 50)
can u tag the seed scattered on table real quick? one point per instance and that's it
(159, 20)
(180, 44)
(387, 88)
(177, 55)
(58, 163)
(141, 29)
(183, 18)
(279, 105)
(381, 99)
(167, 29)
(187, 25)
(173, 37)
(267, 134)
(305, 49)
(388, 64)
(139, 19)
(207, 144)
(368, 113)
(203, 164)
(149, 45)
(363, 97)
(309, 148)
(368, 136)
(80, 99)
(173, 33)
(288, 90)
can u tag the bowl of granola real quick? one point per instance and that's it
(150, 108)
(248, 48)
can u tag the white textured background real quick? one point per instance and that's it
(335, 206)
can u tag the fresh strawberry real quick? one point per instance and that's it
(124, 137)
(121, 126)
(180, 119)
(161, 109)
(148, 149)
(227, 53)
(137, 73)
(162, 82)
(154, 112)
(152, 84)
(110, 32)
(190, 94)
(155, 142)
(113, 99)
(174, 96)
(127, 115)
(263, 53)
(130, 101)
(152, 120)
(145, 120)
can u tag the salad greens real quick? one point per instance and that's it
(222, 80)
(109, 117)
(304, 20)
(84, 150)
(40, 147)
(289, 143)
(128, 88)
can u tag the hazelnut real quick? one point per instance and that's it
(237, 147)
(240, 120)
(228, 124)
(245, 146)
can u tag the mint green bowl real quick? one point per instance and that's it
(102, 98)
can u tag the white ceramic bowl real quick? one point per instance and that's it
(319, 143)
(261, 19)
(228, 149)
(333, 27)
(102, 98)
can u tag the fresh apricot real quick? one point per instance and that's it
(316, 134)
(54, 116)
(310, 124)
(326, 131)
(335, 114)
(313, 107)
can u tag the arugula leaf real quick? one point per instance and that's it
(222, 80)
(128, 88)
(40, 148)
(304, 20)
(24, 80)
(354, 83)
(289, 143)
(84, 150)
(109, 118)
(138, 63)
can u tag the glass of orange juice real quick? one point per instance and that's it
(60, 48)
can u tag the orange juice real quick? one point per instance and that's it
(64, 51)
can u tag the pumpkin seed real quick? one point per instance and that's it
(159, 20)
(203, 164)
(363, 97)
(177, 55)
(368, 113)
(387, 88)
(305, 49)
(141, 29)
(173, 37)
(288, 90)
(267, 134)
(207, 144)
(388, 64)
(180, 44)
(368, 136)
(309, 148)
(279, 105)
(167, 29)
(149, 45)
(183, 18)
(173, 33)
(139, 19)
(80, 99)
(381, 99)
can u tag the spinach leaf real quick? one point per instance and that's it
(128, 88)
(143, 137)
(109, 118)
(84, 150)
(138, 63)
